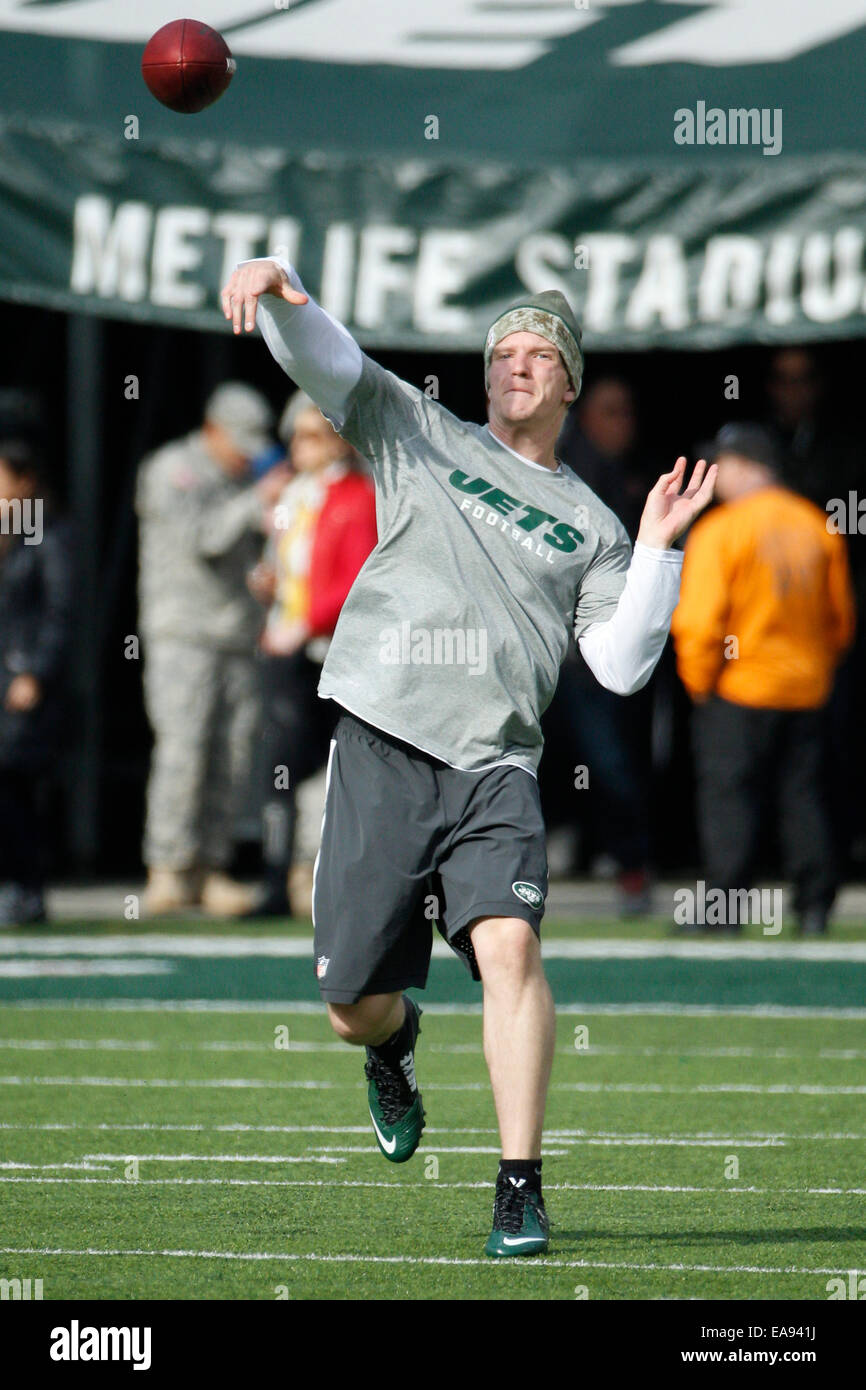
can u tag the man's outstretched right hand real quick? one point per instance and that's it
(241, 295)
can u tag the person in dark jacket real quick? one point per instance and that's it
(599, 440)
(36, 605)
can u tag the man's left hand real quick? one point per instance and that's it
(669, 512)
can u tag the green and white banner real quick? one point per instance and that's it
(689, 174)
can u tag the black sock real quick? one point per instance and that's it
(523, 1172)
(395, 1049)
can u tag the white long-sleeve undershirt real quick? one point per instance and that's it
(313, 348)
(322, 357)
(622, 652)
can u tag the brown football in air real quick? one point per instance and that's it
(187, 65)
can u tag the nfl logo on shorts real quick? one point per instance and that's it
(322, 967)
(529, 893)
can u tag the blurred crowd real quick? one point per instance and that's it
(252, 530)
(242, 578)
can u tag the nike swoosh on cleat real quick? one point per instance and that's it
(388, 1145)
(518, 1240)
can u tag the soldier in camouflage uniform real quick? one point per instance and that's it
(200, 521)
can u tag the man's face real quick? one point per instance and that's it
(736, 475)
(224, 451)
(607, 417)
(794, 386)
(14, 486)
(528, 381)
(315, 443)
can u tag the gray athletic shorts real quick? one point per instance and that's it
(408, 843)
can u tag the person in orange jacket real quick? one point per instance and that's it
(766, 612)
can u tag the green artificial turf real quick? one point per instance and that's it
(760, 1197)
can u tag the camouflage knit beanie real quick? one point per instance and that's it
(550, 315)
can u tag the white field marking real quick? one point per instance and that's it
(423, 1186)
(233, 1082)
(228, 1128)
(835, 1054)
(292, 1045)
(702, 1136)
(241, 1182)
(644, 1143)
(77, 1044)
(220, 1158)
(847, 1054)
(238, 946)
(266, 1046)
(84, 1166)
(752, 1139)
(199, 947)
(539, 1262)
(584, 1087)
(306, 1007)
(228, 1082)
(735, 1088)
(433, 1149)
(603, 948)
(63, 968)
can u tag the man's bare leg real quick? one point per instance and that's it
(519, 1029)
(387, 1024)
(372, 1021)
(519, 1032)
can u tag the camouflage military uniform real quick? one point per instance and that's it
(199, 535)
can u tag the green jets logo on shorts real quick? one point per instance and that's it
(529, 893)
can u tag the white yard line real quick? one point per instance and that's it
(65, 967)
(750, 1139)
(242, 946)
(222, 1158)
(583, 1087)
(172, 1082)
(539, 1262)
(670, 1189)
(315, 1155)
(723, 1088)
(304, 1007)
(84, 1166)
(266, 1047)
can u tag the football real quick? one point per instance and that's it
(187, 65)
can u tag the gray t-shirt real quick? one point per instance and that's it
(454, 631)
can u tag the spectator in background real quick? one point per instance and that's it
(819, 458)
(599, 441)
(36, 612)
(823, 459)
(766, 611)
(323, 529)
(201, 530)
